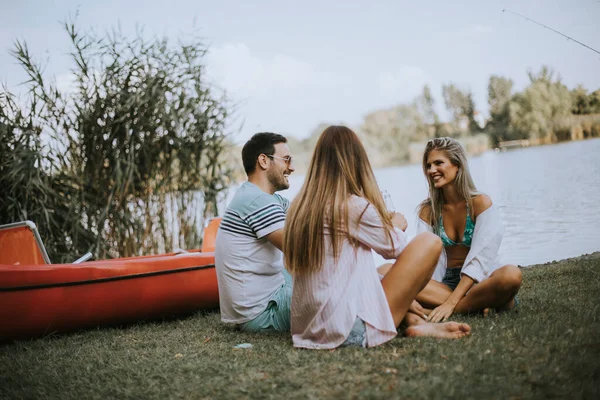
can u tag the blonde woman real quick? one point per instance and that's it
(468, 276)
(335, 221)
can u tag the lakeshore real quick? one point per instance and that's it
(550, 347)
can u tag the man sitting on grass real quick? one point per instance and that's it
(254, 289)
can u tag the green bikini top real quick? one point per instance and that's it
(467, 234)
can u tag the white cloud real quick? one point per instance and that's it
(274, 92)
(243, 74)
(402, 84)
(285, 94)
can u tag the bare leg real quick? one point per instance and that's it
(410, 273)
(498, 291)
(384, 269)
(412, 319)
(434, 294)
(407, 277)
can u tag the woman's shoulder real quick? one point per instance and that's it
(481, 202)
(361, 211)
(357, 201)
(358, 206)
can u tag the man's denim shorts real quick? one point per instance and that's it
(276, 317)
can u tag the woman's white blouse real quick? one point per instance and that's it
(325, 304)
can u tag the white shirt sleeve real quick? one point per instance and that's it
(487, 237)
(372, 233)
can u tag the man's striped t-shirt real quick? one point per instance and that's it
(249, 268)
(256, 223)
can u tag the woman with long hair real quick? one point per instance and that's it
(468, 277)
(335, 221)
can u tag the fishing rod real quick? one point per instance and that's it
(553, 30)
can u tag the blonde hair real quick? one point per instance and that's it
(339, 168)
(463, 182)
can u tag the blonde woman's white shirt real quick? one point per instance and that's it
(482, 258)
(326, 303)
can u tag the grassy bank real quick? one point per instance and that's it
(549, 348)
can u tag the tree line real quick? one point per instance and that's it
(546, 111)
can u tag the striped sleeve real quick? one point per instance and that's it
(235, 224)
(266, 219)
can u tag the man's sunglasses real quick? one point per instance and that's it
(288, 159)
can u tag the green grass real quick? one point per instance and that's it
(550, 348)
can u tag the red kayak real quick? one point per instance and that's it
(41, 299)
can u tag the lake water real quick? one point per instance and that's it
(549, 195)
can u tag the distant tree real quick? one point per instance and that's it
(387, 133)
(426, 105)
(499, 95)
(594, 102)
(462, 106)
(580, 100)
(546, 75)
(470, 113)
(544, 104)
(454, 101)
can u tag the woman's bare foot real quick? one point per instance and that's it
(446, 330)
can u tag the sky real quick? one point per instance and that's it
(289, 65)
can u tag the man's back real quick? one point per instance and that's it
(249, 267)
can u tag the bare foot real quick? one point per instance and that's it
(485, 312)
(446, 330)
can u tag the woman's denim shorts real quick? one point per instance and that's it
(358, 334)
(452, 277)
